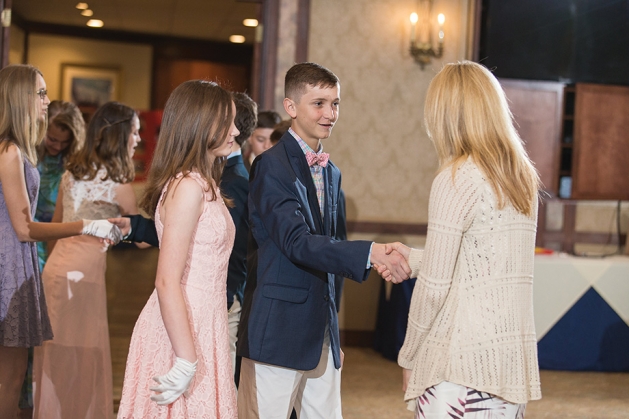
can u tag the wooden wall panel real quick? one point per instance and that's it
(601, 142)
(171, 73)
(537, 110)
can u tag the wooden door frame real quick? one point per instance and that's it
(265, 52)
(5, 6)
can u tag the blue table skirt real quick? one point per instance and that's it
(392, 318)
(589, 337)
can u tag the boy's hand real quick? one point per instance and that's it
(123, 223)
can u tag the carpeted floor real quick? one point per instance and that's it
(371, 387)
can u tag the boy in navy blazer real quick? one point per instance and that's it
(289, 334)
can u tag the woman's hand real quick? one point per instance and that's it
(102, 229)
(175, 382)
(406, 375)
(403, 249)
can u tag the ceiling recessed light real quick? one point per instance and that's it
(237, 39)
(252, 23)
(87, 13)
(95, 23)
(82, 6)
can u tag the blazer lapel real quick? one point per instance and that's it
(302, 170)
(329, 182)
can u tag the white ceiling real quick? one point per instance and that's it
(205, 19)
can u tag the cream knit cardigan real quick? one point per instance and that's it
(471, 315)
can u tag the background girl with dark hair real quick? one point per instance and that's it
(73, 371)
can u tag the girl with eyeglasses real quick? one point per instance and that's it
(24, 320)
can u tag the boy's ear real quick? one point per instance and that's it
(290, 108)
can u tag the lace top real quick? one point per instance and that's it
(212, 393)
(471, 314)
(89, 199)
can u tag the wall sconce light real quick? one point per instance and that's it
(421, 35)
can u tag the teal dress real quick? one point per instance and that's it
(50, 170)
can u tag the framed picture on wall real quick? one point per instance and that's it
(89, 86)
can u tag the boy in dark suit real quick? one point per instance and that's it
(289, 335)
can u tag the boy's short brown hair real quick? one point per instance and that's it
(299, 76)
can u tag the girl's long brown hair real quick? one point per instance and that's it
(197, 118)
(106, 145)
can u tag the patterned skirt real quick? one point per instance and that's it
(449, 400)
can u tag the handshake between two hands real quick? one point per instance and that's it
(102, 229)
(391, 261)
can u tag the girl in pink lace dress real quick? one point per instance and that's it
(179, 364)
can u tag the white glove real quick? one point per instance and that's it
(175, 382)
(102, 229)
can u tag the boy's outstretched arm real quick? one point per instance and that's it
(136, 228)
(277, 200)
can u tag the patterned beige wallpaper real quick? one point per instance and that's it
(387, 160)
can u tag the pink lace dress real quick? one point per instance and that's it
(72, 375)
(212, 393)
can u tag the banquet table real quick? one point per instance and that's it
(581, 308)
(582, 312)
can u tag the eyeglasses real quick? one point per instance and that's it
(42, 93)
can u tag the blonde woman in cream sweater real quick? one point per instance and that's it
(470, 349)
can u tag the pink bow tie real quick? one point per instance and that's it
(317, 158)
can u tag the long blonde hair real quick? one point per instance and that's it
(67, 117)
(467, 115)
(20, 109)
(197, 118)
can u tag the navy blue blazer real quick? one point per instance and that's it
(292, 262)
(235, 185)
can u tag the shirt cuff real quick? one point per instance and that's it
(369, 257)
(126, 236)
